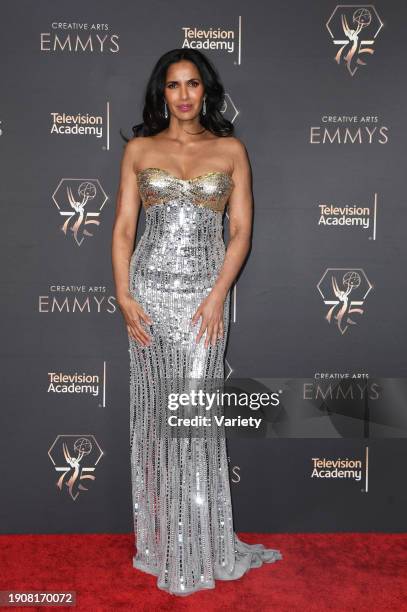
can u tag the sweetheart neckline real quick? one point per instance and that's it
(190, 180)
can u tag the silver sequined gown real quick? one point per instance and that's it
(182, 509)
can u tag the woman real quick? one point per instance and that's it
(185, 169)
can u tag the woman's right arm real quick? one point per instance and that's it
(124, 232)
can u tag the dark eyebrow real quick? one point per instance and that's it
(191, 79)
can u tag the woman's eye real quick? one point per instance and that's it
(193, 83)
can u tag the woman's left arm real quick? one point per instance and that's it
(240, 211)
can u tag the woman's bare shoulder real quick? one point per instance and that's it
(232, 147)
(235, 150)
(234, 144)
(136, 148)
(139, 142)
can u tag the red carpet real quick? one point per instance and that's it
(319, 572)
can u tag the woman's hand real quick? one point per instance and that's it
(211, 310)
(133, 314)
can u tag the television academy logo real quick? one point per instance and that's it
(82, 124)
(71, 196)
(79, 124)
(214, 39)
(75, 457)
(79, 383)
(342, 282)
(346, 26)
(338, 468)
(353, 215)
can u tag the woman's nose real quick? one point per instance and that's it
(184, 92)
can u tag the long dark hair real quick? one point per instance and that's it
(154, 120)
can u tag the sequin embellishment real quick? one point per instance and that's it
(182, 509)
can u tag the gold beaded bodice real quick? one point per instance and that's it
(210, 190)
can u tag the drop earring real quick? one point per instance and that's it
(204, 106)
(165, 110)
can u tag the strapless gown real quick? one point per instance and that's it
(182, 509)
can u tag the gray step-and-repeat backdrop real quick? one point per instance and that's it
(317, 92)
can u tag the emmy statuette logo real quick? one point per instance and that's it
(349, 287)
(354, 29)
(75, 457)
(71, 196)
